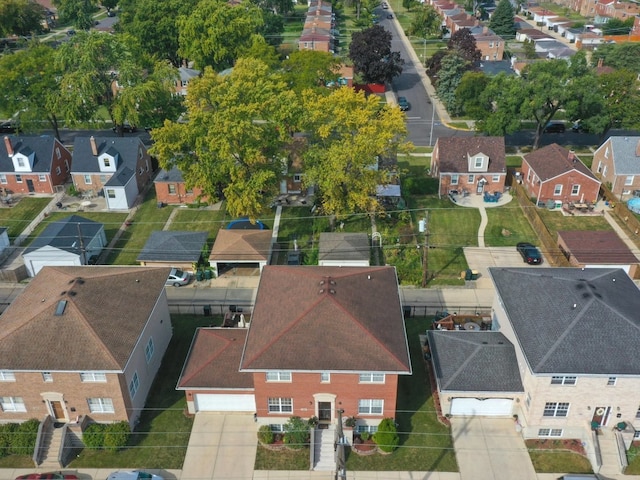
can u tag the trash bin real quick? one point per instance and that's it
(475, 274)
(207, 310)
(467, 274)
(406, 311)
(160, 204)
(208, 274)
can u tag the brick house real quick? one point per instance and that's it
(474, 164)
(557, 174)
(617, 163)
(33, 164)
(116, 167)
(298, 367)
(83, 341)
(491, 46)
(172, 190)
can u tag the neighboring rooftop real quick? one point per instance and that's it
(173, 246)
(597, 247)
(241, 245)
(66, 234)
(344, 246)
(573, 320)
(553, 160)
(85, 162)
(454, 153)
(626, 155)
(41, 147)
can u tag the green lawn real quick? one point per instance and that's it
(557, 461)
(507, 217)
(555, 221)
(633, 458)
(199, 220)
(414, 165)
(514, 161)
(284, 459)
(17, 217)
(147, 219)
(164, 429)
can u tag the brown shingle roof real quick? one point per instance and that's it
(214, 360)
(241, 245)
(327, 319)
(454, 153)
(107, 309)
(597, 247)
(553, 160)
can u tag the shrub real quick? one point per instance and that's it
(116, 435)
(7, 432)
(364, 436)
(93, 436)
(387, 435)
(350, 422)
(72, 191)
(265, 435)
(24, 438)
(296, 433)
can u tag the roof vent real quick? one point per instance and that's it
(332, 291)
(575, 305)
(321, 291)
(368, 277)
(62, 304)
(500, 343)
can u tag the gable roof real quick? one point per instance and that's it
(169, 176)
(178, 246)
(553, 160)
(42, 147)
(344, 246)
(573, 320)
(474, 361)
(597, 246)
(214, 360)
(67, 234)
(85, 162)
(454, 152)
(626, 155)
(245, 245)
(327, 319)
(106, 311)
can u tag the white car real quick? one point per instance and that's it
(178, 278)
(133, 475)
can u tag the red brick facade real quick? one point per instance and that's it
(175, 193)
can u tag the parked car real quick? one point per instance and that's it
(403, 104)
(126, 127)
(47, 476)
(530, 253)
(178, 278)
(554, 127)
(9, 127)
(133, 475)
(111, 13)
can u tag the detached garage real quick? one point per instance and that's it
(210, 377)
(476, 372)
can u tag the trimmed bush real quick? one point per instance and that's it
(7, 433)
(265, 435)
(24, 438)
(364, 436)
(296, 433)
(116, 435)
(93, 436)
(387, 435)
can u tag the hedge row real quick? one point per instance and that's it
(18, 438)
(108, 436)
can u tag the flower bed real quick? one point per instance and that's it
(368, 447)
(569, 444)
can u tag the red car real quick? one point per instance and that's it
(47, 476)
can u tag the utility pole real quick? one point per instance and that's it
(425, 253)
(341, 468)
(83, 253)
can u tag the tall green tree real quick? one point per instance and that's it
(20, 17)
(616, 26)
(370, 52)
(619, 56)
(348, 131)
(502, 20)
(463, 43)
(426, 22)
(77, 12)
(469, 94)
(261, 50)
(306, 69)
(233, 141)
(621, 92)
(109, 4)
(215, 32)
(451, 72)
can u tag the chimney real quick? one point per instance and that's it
(572, 156)
(7, 144)
(94, 147)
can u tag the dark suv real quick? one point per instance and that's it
(530, 253)
(554, 127)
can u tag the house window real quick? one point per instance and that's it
(557, 189)
(93, 377)
(636, 434)
(20, 162)
(278, 376)
(134, 384)
(100, 405)
(606, 152)
(42, 178)
(148, 350)
(371, 377)
(172, 189)
(556, 409)
(529, 176)
(563, 380)
(103, 178)
(325, 377)
(478, 162)
(611, 381)
(629, 180)
(58, 154)
(495, 178)
(471, 179)
(111, 193)
(106, 161)
(454, 179)
(550, 432)
(367, 428)
(527, 400)
(18, 178)
(66, 166)
(604, 171)
(276, 427)
(490, 44)
(370, 407)
(575, 189)
(12, 404)
(47, 377)
(87, 179)
(280, 405)
(3, 178)
(297, 178)
(599, 167)
(7, 376)
(141, 171)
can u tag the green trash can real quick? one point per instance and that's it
(475, 274)
(208, 274)
(199, 275)
(467, 274)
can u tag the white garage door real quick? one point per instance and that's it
(487, 407)
(225, 403)
(37, 265)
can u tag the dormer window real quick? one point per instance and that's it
(478, 162)
(107, 162)
(21, 162)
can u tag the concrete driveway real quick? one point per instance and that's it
(481, 258)
(490, 449)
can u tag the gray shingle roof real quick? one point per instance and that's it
(176, 246)
(169, 176)
(85, 162)
(626, 160)
(65, 234)
(42, 146)
(573, 320)
(344, 246)
(474, 361)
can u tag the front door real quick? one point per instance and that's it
(601, 416)
(30, 186)
(480, 187)
(58, 411)
(324, 412)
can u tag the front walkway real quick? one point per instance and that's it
(477, 201)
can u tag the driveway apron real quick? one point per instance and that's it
(490, 449)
